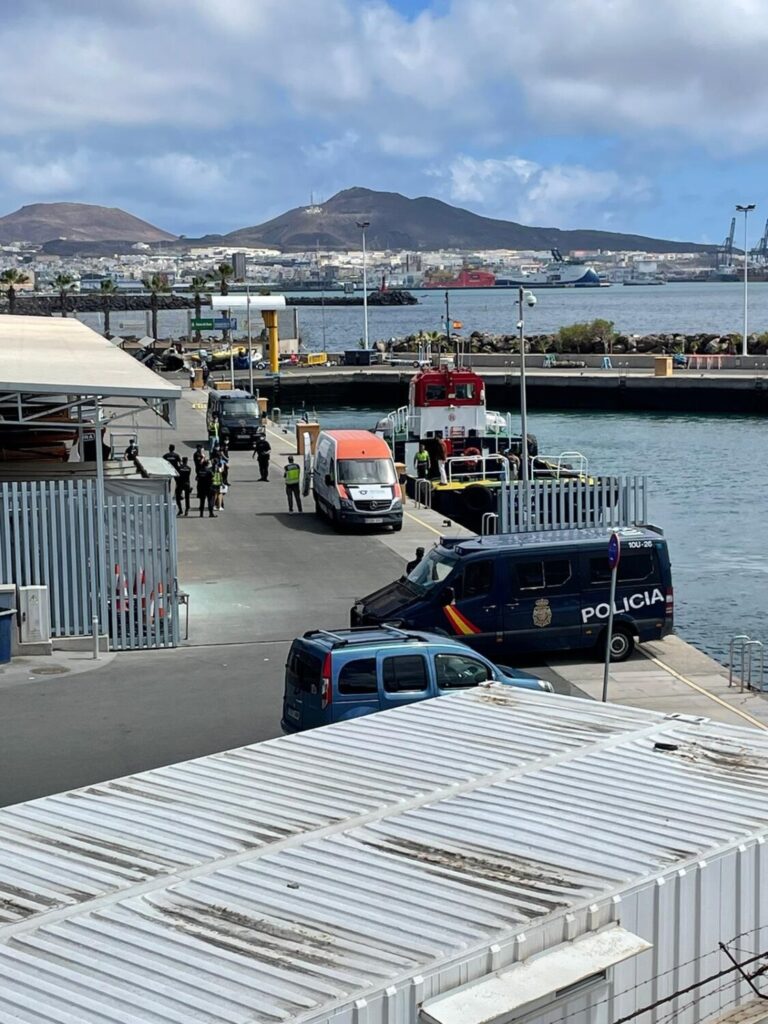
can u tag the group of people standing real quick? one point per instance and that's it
(211, 478)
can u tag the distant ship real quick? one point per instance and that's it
(465, 279)
(560, 273)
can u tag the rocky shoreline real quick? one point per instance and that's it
(620, 344)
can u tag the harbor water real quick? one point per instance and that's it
(708, 491)
(674, 308)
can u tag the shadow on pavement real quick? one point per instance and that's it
(305, 522)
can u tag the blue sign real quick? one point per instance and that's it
(614, 551)
(223, 323)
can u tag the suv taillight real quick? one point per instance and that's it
(326, 690)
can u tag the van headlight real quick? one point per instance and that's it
(346, 503)
(396, 504)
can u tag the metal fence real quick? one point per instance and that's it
(49, 536)
(559, 504)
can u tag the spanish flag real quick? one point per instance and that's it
(460, 623)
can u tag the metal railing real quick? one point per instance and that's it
(565, 462)
(751, 655)
(550, 504)
(476, 467)
(422, 493)
(489, 524)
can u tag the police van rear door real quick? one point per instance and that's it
(641, 589)
(542, 609)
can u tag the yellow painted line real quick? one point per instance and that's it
(700, 689)
(422, 523)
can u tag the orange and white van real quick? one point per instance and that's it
(354, 480)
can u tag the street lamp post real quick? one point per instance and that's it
(363, 224)
(745, 208)
(250, 338)
(523, 296)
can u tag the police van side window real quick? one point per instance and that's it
(476, 581)
(405, 673)
(543, 574)
(359, 676)
(633, 568)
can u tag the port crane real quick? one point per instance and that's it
(761, 249)
(725, 251)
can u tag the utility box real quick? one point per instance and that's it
(662, 366)
(34, 615)
(313, 429)
(7, 596)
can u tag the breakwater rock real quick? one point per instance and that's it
(47, 305)
(702, 343)
(395, 297)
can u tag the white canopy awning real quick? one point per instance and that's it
(240, 301)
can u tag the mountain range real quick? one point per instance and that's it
(393, 222)
(77, 222)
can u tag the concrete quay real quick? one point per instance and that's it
(257, 577)
(742, 391)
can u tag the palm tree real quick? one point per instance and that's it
(221, 275)
(156, 284)
(9, 279)
(63, 283)
(199, 286)
(107, 289)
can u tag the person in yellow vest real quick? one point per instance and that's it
(421, 462)
(292, 477)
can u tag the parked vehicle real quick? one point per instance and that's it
(238, 415)
(518, 593)
(347, 673)
(354, 480)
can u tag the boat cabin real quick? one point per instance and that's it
(447, 403)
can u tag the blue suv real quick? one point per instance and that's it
(334, 676)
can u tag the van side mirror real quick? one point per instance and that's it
(328, 480)
(448, 596)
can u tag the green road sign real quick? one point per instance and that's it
(202, 324)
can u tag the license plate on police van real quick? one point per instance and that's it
(292, 713)
(378, 519)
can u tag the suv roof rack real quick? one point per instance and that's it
(344, 641)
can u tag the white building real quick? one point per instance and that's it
(493, 856)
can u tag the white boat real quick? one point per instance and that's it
(560, 273)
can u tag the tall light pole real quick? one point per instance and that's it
(250, 337)
(363, 224)
(523, 296)
(745, 208)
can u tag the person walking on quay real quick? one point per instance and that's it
(183, 486)
(191, 376)
(213, 435)
(198, 457)
(173, 456)
(292, 477)
(217, 482)
(206, 373)
(223, 454)
(261, 452)
(421, 462)
(205, 488)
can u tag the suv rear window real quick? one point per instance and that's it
(358, 676)
(303, 670)
(405, 672)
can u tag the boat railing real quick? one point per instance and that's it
(555, 466)
(461, 468)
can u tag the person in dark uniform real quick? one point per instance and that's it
(131, 451)
(261, 452)
(414, 561)
(183, 486)
(173, 456)
(198, 458)
(205, 490)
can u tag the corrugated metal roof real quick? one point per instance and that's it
(273, 882)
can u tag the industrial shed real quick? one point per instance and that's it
(487, 857)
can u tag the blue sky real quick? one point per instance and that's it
(625, 115)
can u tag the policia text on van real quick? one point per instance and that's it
(533, 592)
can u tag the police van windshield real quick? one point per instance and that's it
(240, 407)
(366, 471)
(432, 569)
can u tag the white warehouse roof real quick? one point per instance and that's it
(60, 355)
(280, 881)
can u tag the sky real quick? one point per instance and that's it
(644, 116)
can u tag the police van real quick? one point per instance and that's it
(238, 417)
(534, 592)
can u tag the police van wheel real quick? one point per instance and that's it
(622, 643)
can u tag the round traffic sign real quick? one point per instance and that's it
(614, 551)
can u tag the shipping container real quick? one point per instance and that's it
(492, 856)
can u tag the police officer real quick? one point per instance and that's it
(261, 452)
(292, 476)
(131, 451)
(183, 486)
(421, 462)
(173, 456)
(414, 561)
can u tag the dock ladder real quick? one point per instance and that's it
(751, 655)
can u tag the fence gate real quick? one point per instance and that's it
(573, 503)
(49, 536)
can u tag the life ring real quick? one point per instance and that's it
(478, 498)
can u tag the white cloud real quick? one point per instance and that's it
(512, 187)
(330, 151)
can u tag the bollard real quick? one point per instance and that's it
(95, 634)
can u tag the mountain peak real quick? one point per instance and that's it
(397, 222)
(79, 222)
